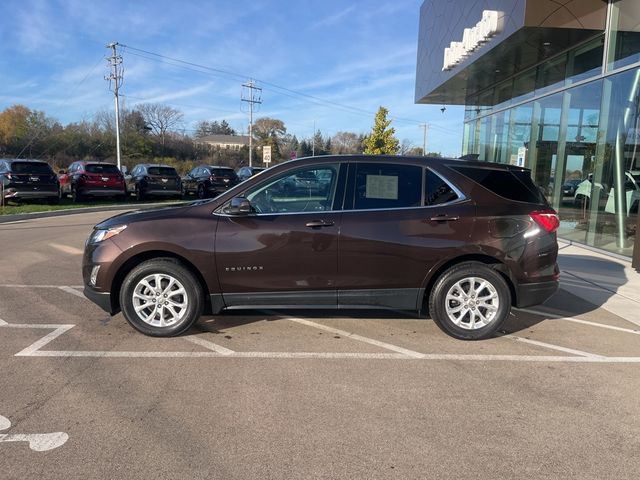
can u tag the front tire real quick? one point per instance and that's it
(201, 192)
(470, 301)
(161, 298)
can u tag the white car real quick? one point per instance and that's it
(632, 187)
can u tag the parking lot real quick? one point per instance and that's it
(299, 394)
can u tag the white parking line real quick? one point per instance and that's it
(13, 285)
(551, 346)
(209, 345)
(578, 320)
(72, 291)
(360, 338)
(67, 249)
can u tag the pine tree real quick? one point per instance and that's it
(382, 141)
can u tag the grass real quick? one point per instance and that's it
(36, 206)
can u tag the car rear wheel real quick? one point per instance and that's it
(139, 194)
(76, 196)
(470, 301)
(161, 298)
(202, 192)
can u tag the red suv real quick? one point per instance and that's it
(92, 179)
(464, 240)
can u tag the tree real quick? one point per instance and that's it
(381, 141)
(160, 118)
(205, 128)
(343, 143)
(270, 131)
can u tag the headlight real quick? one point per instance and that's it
(99, 235)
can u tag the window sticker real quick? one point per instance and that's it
(382, 186)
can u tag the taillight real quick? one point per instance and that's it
(547, 219)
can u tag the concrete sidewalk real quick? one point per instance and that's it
(602, 280)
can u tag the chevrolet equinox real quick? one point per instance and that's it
(461, 240)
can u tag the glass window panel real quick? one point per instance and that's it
(551, 74)
(524, 85)
(586, 61)
(625, 33)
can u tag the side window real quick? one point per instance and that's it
(387, 185)
(437, 191)
(308, 189)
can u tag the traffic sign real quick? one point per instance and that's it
(266, 154)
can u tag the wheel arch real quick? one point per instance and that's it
(136, 260)
(492, 262)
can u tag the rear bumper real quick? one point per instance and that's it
(102, 192)
(163, 192)
(528, 294)
(29, 192)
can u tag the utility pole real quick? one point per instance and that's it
(252, 95)
(425, 127)
(115, 62)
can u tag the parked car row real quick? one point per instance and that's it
(34, 179)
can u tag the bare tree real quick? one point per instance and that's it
(346, 142)
(160, 118)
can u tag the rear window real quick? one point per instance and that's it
(30, 167)
(102, 168)
(223, 172)
(511, 184)
(437, 191)
(164, 171)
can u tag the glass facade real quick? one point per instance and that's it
(574, 120)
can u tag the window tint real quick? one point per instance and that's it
(102, 168)
(309, 189)
(30, 167)
(436, 190)
(223, 172)
(166, 171)
(380, 185)
(511, 184)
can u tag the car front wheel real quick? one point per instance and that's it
(470, 301)
(161, 298)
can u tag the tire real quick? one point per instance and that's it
(140, 196)
(76, 196)
(202, 192)
(171, 319)
(480, 321)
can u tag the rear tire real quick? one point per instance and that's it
(161, 298)
(76, 197)
(140, 196)
(470, 301)
(202, 192)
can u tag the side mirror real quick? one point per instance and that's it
(239, 206)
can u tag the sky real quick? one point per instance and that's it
(330, 63)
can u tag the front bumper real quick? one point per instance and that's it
(102, 299)
(528, 294)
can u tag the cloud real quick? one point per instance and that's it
(333, 19)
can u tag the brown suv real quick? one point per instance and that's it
(465, 239)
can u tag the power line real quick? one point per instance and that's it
(277, 88)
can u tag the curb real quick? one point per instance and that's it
(77, 211)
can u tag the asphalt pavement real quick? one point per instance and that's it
(299, 394)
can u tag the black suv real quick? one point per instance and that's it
(246, 172)
(153, 180)
(28, 179)
(209, 180)
(462, 240)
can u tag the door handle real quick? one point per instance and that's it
(445, 218)
(319, 224)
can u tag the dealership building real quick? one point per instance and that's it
(551, 85)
